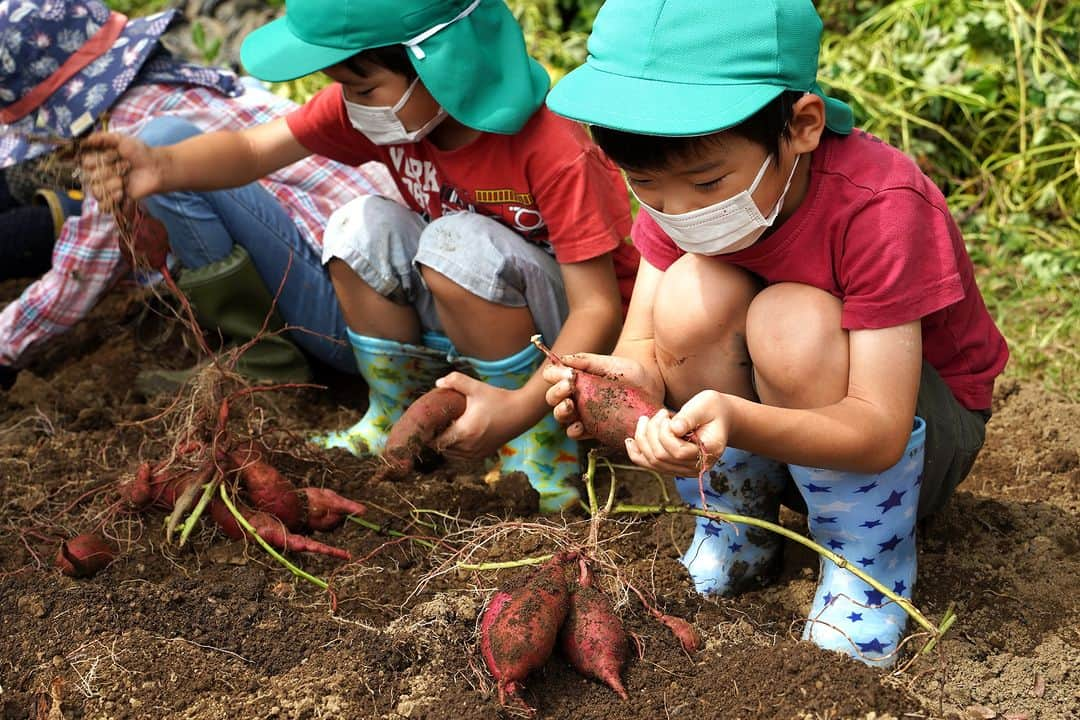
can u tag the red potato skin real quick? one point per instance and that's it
(593, 638)
(267, 489)
(84, 555)
(608, 408)
(519, 628)
(136, 491)
(326, 510)
(688, 637)
(420, 424)
(272, 531)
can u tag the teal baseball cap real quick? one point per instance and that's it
(470, 54)
(686, 67)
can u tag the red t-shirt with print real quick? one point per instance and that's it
(547, 182)
(875, 232)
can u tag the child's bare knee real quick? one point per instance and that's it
(701, 301)
(798, 347)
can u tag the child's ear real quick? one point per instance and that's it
(807, 123)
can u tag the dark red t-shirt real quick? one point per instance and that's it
(547, 182)
(875, 232)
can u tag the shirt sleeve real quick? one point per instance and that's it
(899, 261)
(586, 208)
(86, 262)
(653, 243)
(322, 126)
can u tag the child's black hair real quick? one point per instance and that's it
(659, 152)
(394, 58)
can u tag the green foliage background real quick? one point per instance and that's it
(984, 94)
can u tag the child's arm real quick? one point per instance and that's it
(633, 360)
(865, 432)
(496, 416)
(117, 166)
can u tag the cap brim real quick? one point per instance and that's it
(479, 70)
(274, 54)
(653, 107)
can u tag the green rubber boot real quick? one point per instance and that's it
(396, 375)
(544, 453)
(229, 296)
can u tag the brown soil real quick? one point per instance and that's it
(222, 631)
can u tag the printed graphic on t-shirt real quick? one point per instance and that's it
(420, 179)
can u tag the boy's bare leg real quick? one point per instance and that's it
(699, 322)
(369, 313)
(478, 328)
(799, 350)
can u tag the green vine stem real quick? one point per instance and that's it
(298, 572)
(189, 524)
(383, 530)
(839, 560)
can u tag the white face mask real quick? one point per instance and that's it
(727, 226)
(382, 126)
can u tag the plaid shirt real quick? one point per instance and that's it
(86, 260)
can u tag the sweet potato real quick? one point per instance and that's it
(326, 509)
(271, 530)
(420, 424)
(593, 638)
(267, 489)
(684, 631)
(519, 628)
(607, 407)
(136, 490)
(84, 555)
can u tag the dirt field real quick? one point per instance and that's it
(223, 631)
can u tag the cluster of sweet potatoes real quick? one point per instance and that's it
(274, 507)
(520, 628)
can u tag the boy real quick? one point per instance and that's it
(804, 293)
(71, 64)
(446, 96)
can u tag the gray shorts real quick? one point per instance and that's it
(954, 437)
(385, 242)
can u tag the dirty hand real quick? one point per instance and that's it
(662, 442)
(486, 424)
(116, 167)
(562, 379)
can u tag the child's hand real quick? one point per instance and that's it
(117, 167)
(562, 378)
(483, 429)
(661, 443)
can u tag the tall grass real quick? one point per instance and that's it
(986, 97)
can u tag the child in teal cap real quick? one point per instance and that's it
(513, 223)
(806, 302)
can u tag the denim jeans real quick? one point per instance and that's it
(204, 226)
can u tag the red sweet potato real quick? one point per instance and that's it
(267, 489)
(84, 555)
(420, 424)
(593, 638)
(519, 628)
(684, 631)
(271, 530)
(326, 509)
(136, 490)
(609, 408)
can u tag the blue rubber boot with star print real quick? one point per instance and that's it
(724, 558)
(869, 520)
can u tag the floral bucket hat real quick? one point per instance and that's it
(63, 63)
